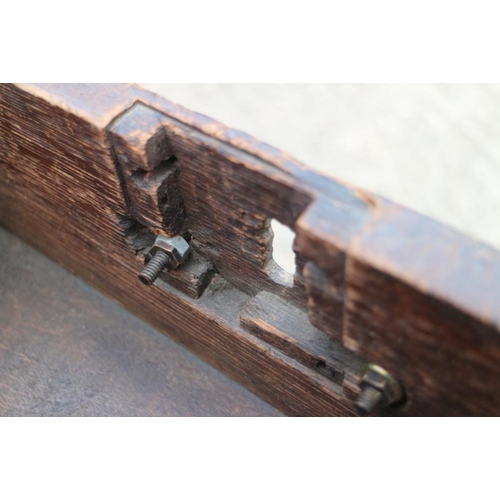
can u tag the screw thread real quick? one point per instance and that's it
(153, 269)
(368, 400)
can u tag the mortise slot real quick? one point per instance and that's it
(283, 253)
(160, 171)
(288, 330)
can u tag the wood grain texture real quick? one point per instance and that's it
(443, 347)
(228, 203)
(67, 350)
(61, 193)
(394, 287)
(288, 329)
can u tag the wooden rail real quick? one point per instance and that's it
(90, 174)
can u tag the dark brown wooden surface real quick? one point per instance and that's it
(67, 350)
(81, 165)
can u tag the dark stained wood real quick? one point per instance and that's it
(326, 294)
(288, 329)
(228, 204)
(91, 173)
(433, 335)
(67, 350)
(60, 191)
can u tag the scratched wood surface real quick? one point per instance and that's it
(91, 173)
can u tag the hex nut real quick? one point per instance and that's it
(177, 249)
(384, 382)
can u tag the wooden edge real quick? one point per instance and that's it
(408, 287)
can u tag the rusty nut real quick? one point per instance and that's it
(177, 249)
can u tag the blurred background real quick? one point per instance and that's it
(432, 147)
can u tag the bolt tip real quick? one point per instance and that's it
(154, 268)
(367, 400)
(361, 409)
(145, 280)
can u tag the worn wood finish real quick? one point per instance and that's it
(228, 203)
(91, 173)
(288, 329)
(67, 350)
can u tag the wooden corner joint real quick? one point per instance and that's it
(346, 241)
(374, 283)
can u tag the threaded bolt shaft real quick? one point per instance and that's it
(154, 268)
(368, 400)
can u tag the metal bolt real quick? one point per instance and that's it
(154, 268)
(378, 387)
(166, 253)
(368, 400)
